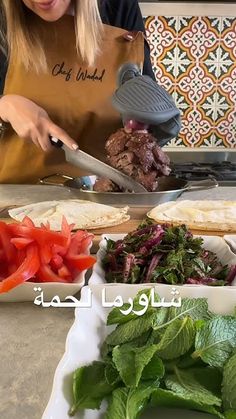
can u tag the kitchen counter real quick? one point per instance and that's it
(32, 341)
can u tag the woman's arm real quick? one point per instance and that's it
(31, 122)
(126, 14)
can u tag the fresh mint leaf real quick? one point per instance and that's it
(130, 362)
(89, 387)
(111, 374)
(154, 369)
(199, 324)
(229, 384)
(128, 403)
(185, 361)
(177, 338)
(167, 398)
(106, 352)
(215, 341)
(196, 308)
(116, 317)
(131, 330)
(230, 414)
(185, 385)
(208, 377)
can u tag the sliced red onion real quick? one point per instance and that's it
(132, 125)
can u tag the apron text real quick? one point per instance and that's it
(82, 74)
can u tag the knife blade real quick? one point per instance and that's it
(87, 162)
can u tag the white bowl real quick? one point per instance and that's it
(231, 241)
(25, 292)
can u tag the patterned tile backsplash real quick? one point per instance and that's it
(194, 58)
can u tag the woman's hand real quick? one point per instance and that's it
(32, 122)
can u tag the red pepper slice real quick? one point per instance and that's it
(46, 274)
(37, 234)
(2, 255)
(75, 245)
(25, 271)
(27, 222)
(81, 262)
(64, 272)
(7, 246)
(21, 242)
(56, 262)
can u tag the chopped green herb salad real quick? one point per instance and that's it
(166, 254)
(170, 357)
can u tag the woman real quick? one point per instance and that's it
(61, 74)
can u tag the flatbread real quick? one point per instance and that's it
(84, 214)
(197, 215)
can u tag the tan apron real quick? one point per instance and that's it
(76, 98)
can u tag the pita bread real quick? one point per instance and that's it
(197, 215)
(84, 214)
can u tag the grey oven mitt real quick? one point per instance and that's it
(140, 98)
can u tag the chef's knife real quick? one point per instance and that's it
(89, 163)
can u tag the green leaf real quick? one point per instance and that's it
(106, 352)
(154, 369)
(215, 341)
(196, 308)
(167, 398)
(230, 414)
(116, 317)
(130, 362)
(229, 384)
(185, 384)
(111, 374)
(131, 330)
(89, 387)
(177, 339)
(128, 403)
(208, 377)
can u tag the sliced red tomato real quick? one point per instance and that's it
(26, 270)
(21, 242)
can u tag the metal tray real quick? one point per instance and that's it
(169, 189)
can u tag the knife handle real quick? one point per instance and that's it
(55, 142)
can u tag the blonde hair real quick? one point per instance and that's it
(23, 37)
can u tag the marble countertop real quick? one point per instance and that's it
(32, 341)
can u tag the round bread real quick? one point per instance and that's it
(197, 215)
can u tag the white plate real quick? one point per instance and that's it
(213, 243)
(89, 331)
(231, 240)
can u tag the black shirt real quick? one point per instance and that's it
(123, 14)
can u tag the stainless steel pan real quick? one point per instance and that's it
(169, 189)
